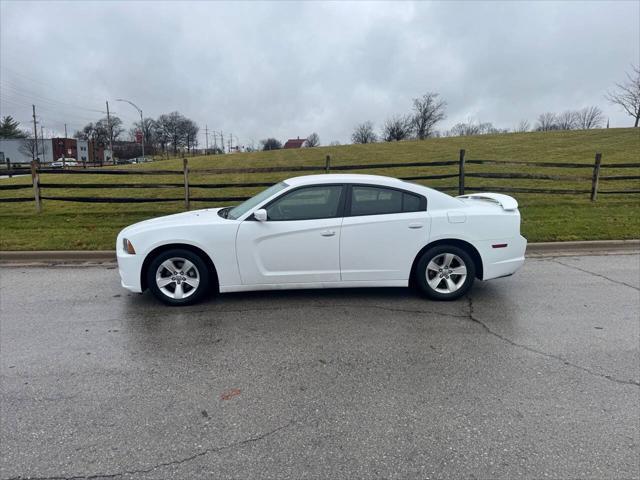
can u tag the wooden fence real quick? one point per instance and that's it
(460, 174)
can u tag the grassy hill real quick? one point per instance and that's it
(546, 217)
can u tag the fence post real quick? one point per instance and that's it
(461, 174)
(185, 170)
(327, 164)
(8, 161)
(35, 179)
(596, 177)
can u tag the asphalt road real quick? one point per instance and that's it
(537, 375)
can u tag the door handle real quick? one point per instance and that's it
(415, 225)
(328, 233)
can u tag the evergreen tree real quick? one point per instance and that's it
(9, 128)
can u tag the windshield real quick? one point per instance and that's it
(244, 207)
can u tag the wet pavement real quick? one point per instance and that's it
(537, 375)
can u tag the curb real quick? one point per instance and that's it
(593, 247)
(99, 257)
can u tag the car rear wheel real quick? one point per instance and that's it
(445, 272)
(178, 277)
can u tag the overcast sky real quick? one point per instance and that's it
(286, 69)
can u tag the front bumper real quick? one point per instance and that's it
(130, 267)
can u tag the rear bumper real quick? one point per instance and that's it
(500, 262)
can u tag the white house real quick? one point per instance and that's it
(83, 151)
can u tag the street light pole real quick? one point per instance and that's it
(141, 120)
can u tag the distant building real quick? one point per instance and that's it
(295, 143)
(64, 148)
(13, 149)
(82, 151)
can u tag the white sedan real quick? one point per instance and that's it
(326, 231)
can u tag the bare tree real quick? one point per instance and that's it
(627, 94)
(523, 126)
(189, 130)
(471, 128)
(567, 120)
(589, 117)
(428, 110)
(547, 121)
(397, 128)
(363, 133)
(28, 147)
(148, 129)
(162, 132)
(99, 131)
(176, 130)
(88, 132)
(313, 140)
(465, 129)
(335, 143)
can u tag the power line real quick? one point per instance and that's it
(22, 92)
(47, 86)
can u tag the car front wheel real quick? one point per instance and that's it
(178, 277)
(445, 272)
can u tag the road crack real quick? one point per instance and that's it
(170, 463)
(559, 358)
(595, 274)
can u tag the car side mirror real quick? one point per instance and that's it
(260, 215)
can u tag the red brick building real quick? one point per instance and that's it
(295, 143)
(64, 147)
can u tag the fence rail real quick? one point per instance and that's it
(461, 164)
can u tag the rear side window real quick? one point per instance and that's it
(380, 201)
(411, 203)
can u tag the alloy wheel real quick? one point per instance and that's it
(177, 278)
(446, 273)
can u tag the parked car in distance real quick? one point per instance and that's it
(326, 231)
(140, 159)
(66, 162)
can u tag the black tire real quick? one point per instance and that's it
(182, 288)
(435, 283)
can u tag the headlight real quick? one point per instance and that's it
(128, 247)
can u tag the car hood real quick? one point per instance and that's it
(207, 216)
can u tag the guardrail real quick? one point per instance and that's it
(461, 174)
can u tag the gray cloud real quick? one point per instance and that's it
(287, 69)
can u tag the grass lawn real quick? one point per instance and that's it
(545, 217)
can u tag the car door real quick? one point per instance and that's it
(382, 231)
(298, 243)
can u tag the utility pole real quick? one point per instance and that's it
(65, 131)
(206, 136)
(35, 135)
(42, 140)
(110, 134)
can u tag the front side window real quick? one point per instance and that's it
(321, 201)
(380, 201)
(247, 205)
